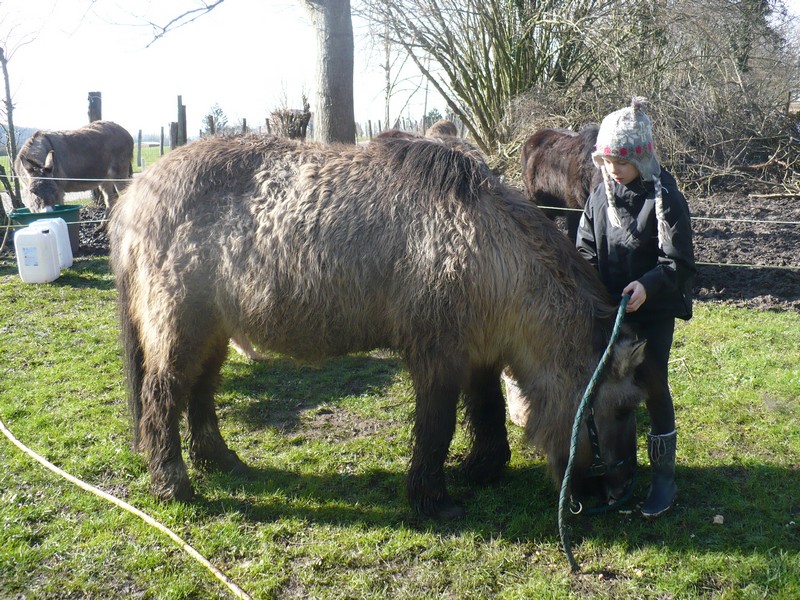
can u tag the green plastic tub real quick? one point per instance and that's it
(69, 212)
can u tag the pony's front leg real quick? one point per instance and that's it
(486, 416)
(434, 425)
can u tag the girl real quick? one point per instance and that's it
(635, 229)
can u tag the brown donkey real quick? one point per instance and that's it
(320, 250)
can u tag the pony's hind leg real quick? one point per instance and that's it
(163, 398)
(171, 375)
(486, 417)
(207, 449)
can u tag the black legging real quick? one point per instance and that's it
(659, 401)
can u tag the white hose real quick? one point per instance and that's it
(235, 589)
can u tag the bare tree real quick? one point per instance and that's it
(181, 20)
(483, 53)
(719, 75)
(400, 83)
(334, 119)
(11, 139)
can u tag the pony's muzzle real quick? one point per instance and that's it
(619, 481)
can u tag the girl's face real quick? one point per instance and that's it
(621, 171)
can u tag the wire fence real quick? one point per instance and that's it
(11, 226)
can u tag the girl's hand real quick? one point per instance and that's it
(638, 296)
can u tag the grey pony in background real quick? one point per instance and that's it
(52, 163)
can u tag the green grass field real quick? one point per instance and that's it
(324, 513)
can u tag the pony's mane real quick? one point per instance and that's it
(550, 240)
(442, 167)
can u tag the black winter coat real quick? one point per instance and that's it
(629, 253)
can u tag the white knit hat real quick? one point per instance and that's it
(627, 134)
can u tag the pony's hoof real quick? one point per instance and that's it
(173, 492)
(442, 509)
(485, 468)
(229, 462)
(169, 481)
(451, 512)
(225, 460)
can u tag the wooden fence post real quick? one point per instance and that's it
(181, 122)
(139, 150)
(161, 143)
(95, 106)
(173, 135)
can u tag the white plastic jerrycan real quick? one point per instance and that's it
(37, 255)
(59, 226)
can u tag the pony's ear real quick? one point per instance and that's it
(628, 354)
(638, 352)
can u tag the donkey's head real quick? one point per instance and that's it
(40, 192)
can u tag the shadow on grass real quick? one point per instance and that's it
(282, 387)
(87, 272)
(758, 505)
(724, 509)
(521, 504)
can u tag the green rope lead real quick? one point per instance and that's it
(576, 429)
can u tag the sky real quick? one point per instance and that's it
(248, 57)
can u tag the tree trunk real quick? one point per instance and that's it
(11, 188)
(334, 118)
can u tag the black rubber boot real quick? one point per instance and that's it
(661, 497)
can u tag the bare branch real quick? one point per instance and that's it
(179, 21)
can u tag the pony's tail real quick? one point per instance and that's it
(132, 359)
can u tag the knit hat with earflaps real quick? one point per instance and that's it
(627, 134)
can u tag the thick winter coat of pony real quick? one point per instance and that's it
(558, 171)
(320, 250)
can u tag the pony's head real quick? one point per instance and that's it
(605, 462)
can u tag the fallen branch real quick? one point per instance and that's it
(777, 195)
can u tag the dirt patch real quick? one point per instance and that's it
(731, 231)
(748, 249)
(93, 234)
(337, 425)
